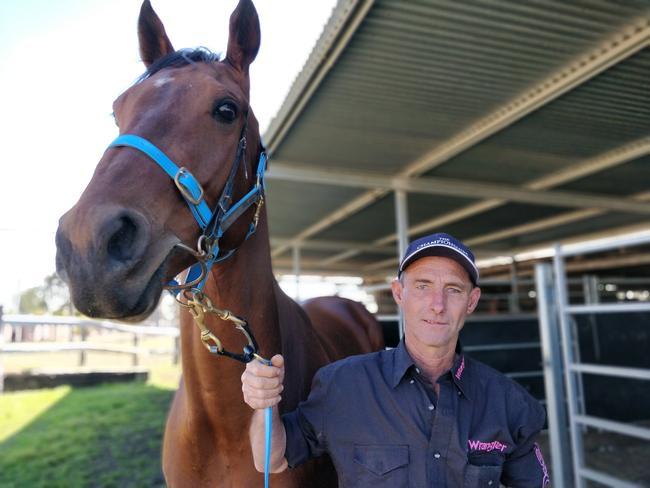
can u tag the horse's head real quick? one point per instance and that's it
(118, 246)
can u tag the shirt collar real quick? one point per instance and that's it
(402, 361)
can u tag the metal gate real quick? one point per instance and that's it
(564, 370)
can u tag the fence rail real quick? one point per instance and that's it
(15, 329)
(36, 320)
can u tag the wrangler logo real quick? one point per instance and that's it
(486, 446)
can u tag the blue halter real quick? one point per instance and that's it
(213, 223)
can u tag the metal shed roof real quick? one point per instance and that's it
(509, 124)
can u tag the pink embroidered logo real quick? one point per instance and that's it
(459, 371)
(486, 446)
(540, 459)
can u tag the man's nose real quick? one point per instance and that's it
(437, 301)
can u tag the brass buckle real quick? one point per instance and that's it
(185, 190)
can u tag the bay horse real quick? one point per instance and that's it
(125, 239)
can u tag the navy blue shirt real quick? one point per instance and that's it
(383, 426)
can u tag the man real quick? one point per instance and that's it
(420, 415)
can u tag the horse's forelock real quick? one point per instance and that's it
(182, 57)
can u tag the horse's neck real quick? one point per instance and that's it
(243, 284)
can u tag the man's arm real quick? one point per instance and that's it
(262, 386)
(526, 470)
(525, 466)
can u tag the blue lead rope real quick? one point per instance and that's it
(268, 419)
(267, 445)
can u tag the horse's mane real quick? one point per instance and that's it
(182, 57)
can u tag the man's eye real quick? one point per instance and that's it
(225, 111)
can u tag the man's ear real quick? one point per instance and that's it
(397, 289)
(474, 296)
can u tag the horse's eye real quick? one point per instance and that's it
(226, 111)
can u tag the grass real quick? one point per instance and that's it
(103, 436)
(108, 436)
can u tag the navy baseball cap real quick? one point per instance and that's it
(442, 245)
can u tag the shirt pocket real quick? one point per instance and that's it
(381, 465)
(483, 470)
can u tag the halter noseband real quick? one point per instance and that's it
(213, 223)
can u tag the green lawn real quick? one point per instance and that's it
(104, 436)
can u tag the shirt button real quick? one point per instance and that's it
(490, 483)
(412, 381)
(431, 407)
(417, 370)
(437, 455)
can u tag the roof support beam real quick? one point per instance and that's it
(458, 188)
(337, 246)
(621, 46)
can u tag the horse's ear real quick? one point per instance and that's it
(154, 43)
(244, 36)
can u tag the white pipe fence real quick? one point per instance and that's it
(48, 334)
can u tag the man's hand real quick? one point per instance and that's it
(262, 384)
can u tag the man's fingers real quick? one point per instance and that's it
(277, 361)
(260, 382)
(261, 397)
(264, 386)
(261, 394)
(257, 368)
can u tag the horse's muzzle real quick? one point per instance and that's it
(111, 265)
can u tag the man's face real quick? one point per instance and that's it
(435, 295)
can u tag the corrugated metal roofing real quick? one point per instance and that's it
(537, 96)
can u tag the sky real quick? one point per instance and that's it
(63, 63)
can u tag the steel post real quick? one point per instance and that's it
(553, 380)
(568, 353)
(402, 224)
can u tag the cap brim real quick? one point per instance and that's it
(445, 252)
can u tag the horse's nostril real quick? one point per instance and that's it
(121, 245)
